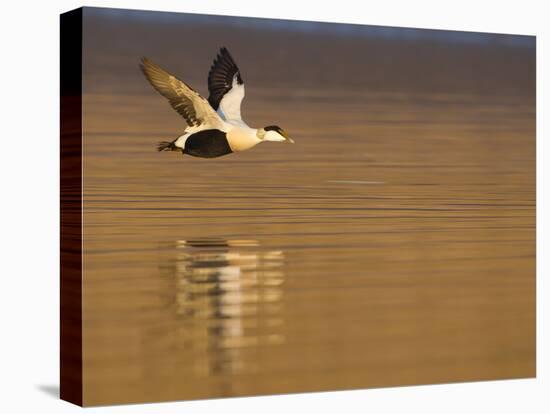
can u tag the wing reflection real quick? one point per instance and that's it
(229, 301)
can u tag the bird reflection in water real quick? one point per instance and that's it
(229, 302)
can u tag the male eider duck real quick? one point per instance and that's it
(215, 126)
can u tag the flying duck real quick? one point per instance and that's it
(215, 127)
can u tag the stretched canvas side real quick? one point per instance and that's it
(71, 206)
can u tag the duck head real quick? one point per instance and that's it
(274, 133)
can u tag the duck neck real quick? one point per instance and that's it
(240, 139)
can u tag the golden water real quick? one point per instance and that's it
(393, 244)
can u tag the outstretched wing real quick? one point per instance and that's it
(185, 100)
(226, 86)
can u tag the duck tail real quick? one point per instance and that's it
(166, 146)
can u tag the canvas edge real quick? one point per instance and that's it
(71, 361)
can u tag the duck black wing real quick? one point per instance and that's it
(185, 100)
(226, 86)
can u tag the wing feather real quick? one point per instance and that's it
(225, 86)
(185, 100)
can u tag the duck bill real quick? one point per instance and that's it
(289, 140)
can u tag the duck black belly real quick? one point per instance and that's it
(210, 143)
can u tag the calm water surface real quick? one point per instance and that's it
(393, 244)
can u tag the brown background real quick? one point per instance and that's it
(393, 244)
